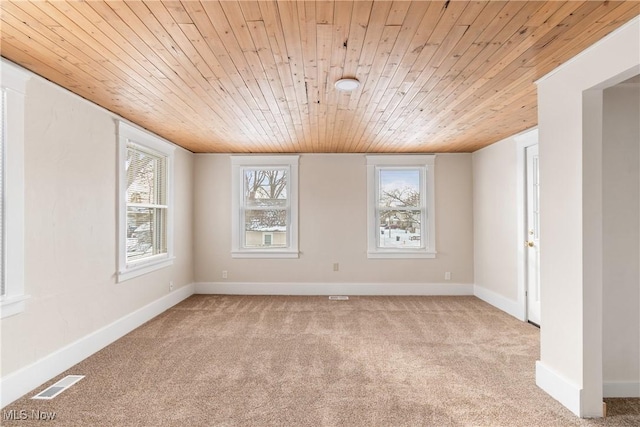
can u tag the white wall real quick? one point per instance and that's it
(498, 222)
(495, 223)
(570, 366)
(333, 220)
(71, 232)
(621, 240)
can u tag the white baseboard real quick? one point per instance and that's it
(622, 389)
(558, 387)
(509, 306)
(285, 288)
(17, 384)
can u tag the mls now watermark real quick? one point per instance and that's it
(23, 414)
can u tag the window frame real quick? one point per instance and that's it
(425, 163)
(13, 89)
(157, 146)
(238, 166)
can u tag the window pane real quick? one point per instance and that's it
(265, 187)
(146, 231)
(399, 188)
(145, 177)
(259, 224)
(399, 229)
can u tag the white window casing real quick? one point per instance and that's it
(147, 245)
(280, 238)
(13, 80)
(401, 228)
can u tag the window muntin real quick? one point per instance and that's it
(264, 206)
(401, 221)
(145, 222)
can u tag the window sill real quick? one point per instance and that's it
(136, 270)
(12, 305)
(265, 254)
(401, 255)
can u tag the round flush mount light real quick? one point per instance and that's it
(347, 84)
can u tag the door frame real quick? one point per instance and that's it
(523, 140)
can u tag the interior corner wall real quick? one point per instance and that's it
(621, 240)
(333, 229)
(568, 367)
(70, 255)
(495, 228)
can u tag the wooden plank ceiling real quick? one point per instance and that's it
(258, 76)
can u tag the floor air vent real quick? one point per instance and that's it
(338, 297)
(57, 388)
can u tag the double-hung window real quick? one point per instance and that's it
(13, 82)
(145, 202)
(401, 220)
(264, 206)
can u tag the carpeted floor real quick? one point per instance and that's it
(307, 361)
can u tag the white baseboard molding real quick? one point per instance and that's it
(15, 385)
(285, 288)
(558, 387)
(622, 389)
(509, 306)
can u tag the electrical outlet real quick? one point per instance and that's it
(171, 285)
(336, 266)
(447, 275)
(224, 274)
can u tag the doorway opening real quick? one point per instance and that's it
(621, 242)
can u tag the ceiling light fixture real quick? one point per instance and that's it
(347, 84)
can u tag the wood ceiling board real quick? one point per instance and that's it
(258, 76)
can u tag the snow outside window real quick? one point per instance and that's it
(145, 217)
(264, 206)
(401, 205)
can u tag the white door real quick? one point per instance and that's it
(532, 241)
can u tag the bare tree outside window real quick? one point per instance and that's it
(400, 196)
(399, 208)
(265, 194)
(265, 186)
(264, 205)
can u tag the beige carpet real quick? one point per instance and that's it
(308, 361)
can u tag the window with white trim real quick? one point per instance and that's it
(264, 206)
(400, 197)
(12, 296)
(145, 226)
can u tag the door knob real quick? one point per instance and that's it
(529, 243)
